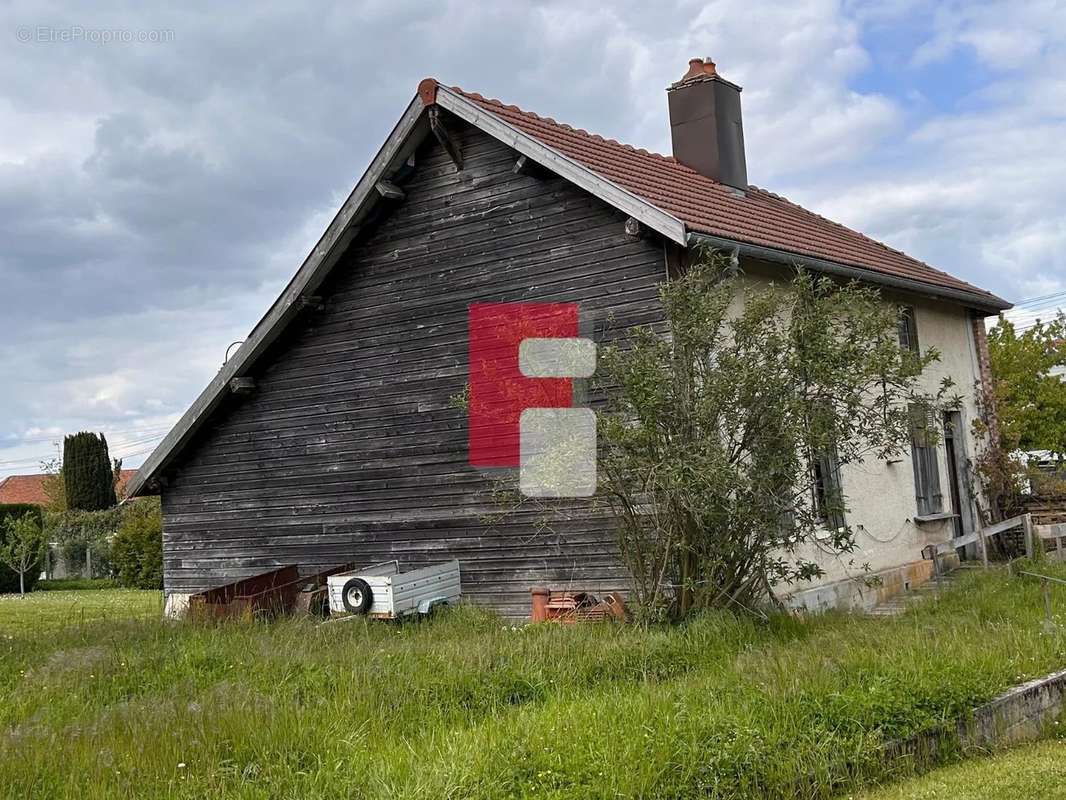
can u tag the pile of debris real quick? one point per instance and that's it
(573, 607)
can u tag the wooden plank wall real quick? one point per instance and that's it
(349, 449)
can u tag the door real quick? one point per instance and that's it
(958, 486)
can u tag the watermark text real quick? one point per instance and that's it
(76, 34)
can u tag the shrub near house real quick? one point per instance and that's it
(137, 548)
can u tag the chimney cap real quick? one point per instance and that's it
(701, 69)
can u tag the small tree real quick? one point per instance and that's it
(23, 546)
(1030, 398)
(88, 473)
(716, 439)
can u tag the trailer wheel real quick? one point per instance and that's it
(356, 596)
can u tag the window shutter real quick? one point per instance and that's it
(828, 497)
(924, 458)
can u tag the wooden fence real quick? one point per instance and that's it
(1033, 536)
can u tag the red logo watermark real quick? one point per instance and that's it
(523, 359)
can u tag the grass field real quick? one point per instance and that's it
(58, 609)
(106, 702)
(1036, 772)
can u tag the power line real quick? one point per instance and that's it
(131, 431)
(1033, 300)
(32, 461)
(138, 453)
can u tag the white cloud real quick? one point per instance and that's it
(980, 193)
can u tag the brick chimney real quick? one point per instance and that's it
(706, 125)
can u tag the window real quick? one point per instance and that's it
(908, 329)
(926, 468)
(828, 498)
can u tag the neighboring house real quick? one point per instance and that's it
(30, 488)
(330, 435)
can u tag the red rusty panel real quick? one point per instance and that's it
(272, 592)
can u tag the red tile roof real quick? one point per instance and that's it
(23, 489)
(30, 488)
(705, 206)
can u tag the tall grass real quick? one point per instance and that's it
(466, 706)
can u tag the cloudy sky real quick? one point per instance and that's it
(156, 195)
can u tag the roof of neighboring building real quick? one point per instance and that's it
(30, 488)
(706, 206)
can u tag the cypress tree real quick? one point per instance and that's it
(87, 472)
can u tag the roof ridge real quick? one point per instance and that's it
(567, 127)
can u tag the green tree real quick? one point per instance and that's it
(716, 440)
(88, 473)
(23, 545)
(1030, 399)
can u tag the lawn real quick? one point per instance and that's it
(466, 706)
(55, 610)
(1036, 772)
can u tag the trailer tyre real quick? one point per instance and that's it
(356, 596)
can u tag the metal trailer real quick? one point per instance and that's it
(381, 591)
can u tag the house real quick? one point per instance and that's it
(331, 435)
(31, 488)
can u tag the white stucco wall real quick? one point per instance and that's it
(881, 495)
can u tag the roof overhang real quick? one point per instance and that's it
(985, 304)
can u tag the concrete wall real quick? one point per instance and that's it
(1023, 713)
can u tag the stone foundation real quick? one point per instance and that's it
(176, 605)
(867, 591)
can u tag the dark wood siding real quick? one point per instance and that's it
(350, 449)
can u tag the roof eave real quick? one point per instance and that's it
(986, 304)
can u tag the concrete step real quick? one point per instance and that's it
(901, 602)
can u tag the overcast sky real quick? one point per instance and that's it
(156, 195)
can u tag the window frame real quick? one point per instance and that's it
(907, 329)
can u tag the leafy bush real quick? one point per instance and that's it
(721, 445)
(137, 549)
(9, 579)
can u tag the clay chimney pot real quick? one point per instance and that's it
(695, 67)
